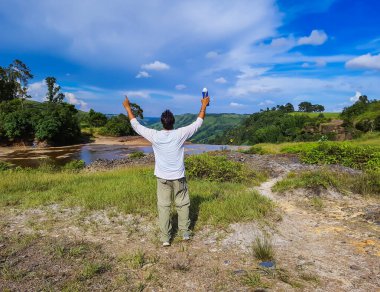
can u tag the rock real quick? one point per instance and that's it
(240, 272)
(354, 267)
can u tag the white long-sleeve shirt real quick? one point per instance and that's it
(168, 148)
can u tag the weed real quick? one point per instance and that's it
(136, 154)
(74, 166)
(5, 166)
(255, 150)
(92, 269)
(317, 203)
(253, 279)
(181, 266)
(309, 277)
(262, 249)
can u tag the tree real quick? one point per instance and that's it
(137, 110)
(53, 94)
(318, 108)
(96, 119)
(288, 108)
(305, 106)
(118, 126)
(14, 81)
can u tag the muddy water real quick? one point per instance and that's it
(88, 153)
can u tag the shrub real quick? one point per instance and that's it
(5, 166)
(366, 183)
(214, 168)
(117, 126)
(136, 154)
(74, 165)
(255, 150)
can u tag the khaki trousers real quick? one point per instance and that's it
(167, 191)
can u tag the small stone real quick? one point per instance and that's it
(354, 267)
(240, 272)
(227, 262)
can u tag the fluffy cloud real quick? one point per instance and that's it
(156, 66)
(180, 86)
(316, 38)
(72, 99)
(212, 55)
(266, 102)
(220, 80)
(38, 90)
(355, 98)
(143, 74)
(235, 104)
(367, 61)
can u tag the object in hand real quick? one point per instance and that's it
(205, 94)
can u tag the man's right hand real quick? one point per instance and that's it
(205, 101)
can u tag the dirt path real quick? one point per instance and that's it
(335, 244)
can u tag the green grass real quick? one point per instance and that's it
(314, 115)
(370, 139)
(131, 191)
(367, 183)
(262, 249)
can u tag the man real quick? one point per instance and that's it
(169, 167)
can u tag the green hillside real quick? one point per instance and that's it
(213, 125)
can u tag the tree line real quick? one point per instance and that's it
(54, 121)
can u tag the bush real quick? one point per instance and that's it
(366, 183)
(136, 154)
(74, 165)
(217, 168)
(117, 126)
(5, 166)
(359, 157)
(255, 150)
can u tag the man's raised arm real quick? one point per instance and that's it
(202, 113)
(139, 129)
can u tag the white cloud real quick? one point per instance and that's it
(137, 94)
(72, 99)
(266, 102)
(305, 65)
(143, 74)
(320, 63)
(180, 86)
(220, 80)
(212, 55)
(355, 98)
(317, 37)
(38, 90)
(367, 61)
(235, 104)
(156, 66)
(249, 72)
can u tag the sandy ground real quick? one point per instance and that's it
(127, 140)
(335, 248)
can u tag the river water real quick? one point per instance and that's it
(90, 152)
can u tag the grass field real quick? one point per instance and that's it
(314, 115)
(131, 191)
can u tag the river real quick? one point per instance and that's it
(32, 157)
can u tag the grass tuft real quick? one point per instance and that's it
(262, 249)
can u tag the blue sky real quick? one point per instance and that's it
(249, 54)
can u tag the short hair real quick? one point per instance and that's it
(167, 120)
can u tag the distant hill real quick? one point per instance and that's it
(213, 125)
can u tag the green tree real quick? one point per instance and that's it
(59, 125)
(305, 106)
(118, 126)
(14, 81)
(53, 94)
(96, 119)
